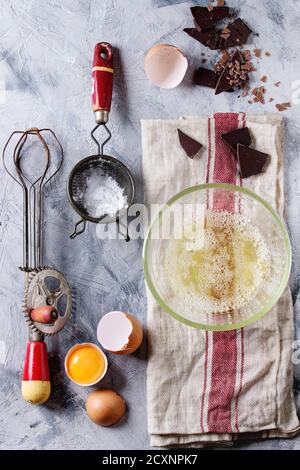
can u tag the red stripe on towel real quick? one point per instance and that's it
(204, 384)
(223, 375)
(224, 354)
(241, 381)
(206, 333)
(208, 151)
(242, 330)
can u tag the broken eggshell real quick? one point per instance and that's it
(120, 333)
(165, 65)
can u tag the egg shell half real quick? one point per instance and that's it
(120, 333)
(165, 65)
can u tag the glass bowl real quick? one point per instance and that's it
(217, 257)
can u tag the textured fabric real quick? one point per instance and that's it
(204, 387)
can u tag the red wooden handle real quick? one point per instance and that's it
(102, 74)
(36, 377)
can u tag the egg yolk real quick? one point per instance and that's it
(86, 365)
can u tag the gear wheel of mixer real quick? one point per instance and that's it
(47, 287)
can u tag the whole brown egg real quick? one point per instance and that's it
(105, 407)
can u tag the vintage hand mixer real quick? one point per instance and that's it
(47, 300)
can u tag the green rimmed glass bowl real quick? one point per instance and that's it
(221, 197)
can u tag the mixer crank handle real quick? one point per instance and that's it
(76, 233)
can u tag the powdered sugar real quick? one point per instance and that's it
(103, 196)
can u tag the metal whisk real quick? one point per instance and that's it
(32, 194)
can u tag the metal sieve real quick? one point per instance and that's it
(104, 166)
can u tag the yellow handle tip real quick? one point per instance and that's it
(36, 392)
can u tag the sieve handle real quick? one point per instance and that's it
(77, 230)
(102, 74)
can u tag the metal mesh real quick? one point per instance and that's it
(105, 166)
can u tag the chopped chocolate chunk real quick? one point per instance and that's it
(277, 84)
(233, 74)
(205, 18)
(247, 66)
(268, 54)
(202, 36)
(259, 94)
(205, 77)
(251, 161)
(189, 145)
(257, 53)
(271, 99)
(247, 55)
(259, 99)
(226, 31)
(245, 89)
(280, 107)
(203, 61)
(264, 79)
(225, 57)
(283, 106)
(221, 64)
(239, 136)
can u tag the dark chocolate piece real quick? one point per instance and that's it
(202, 36)
(215, 42)
(210, 38)
(205, 77)
(233, 75)
(239, 136)
(206, 18)
(251, 161)
(238, 36)
(189, 145)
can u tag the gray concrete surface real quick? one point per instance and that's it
(46, 49)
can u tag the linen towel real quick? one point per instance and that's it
(216, 387)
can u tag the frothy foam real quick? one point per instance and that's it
(227, 272)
